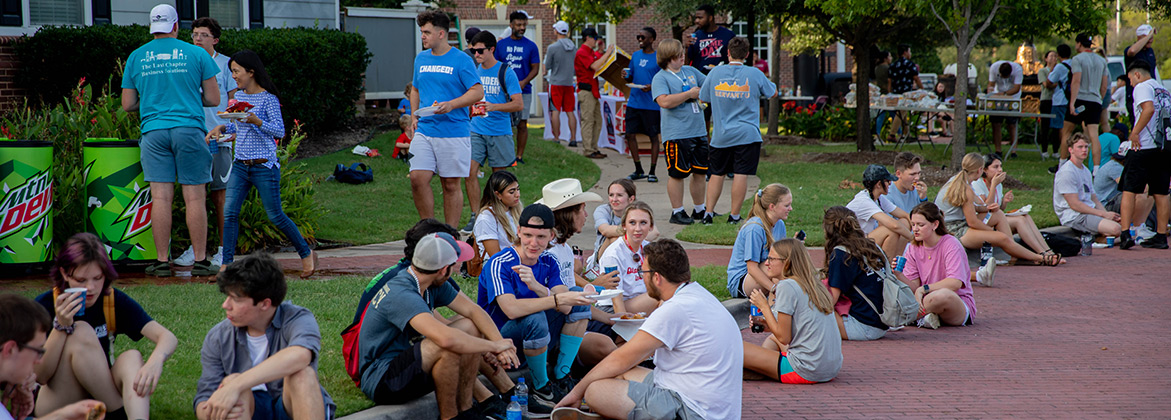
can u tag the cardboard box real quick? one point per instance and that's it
(611, 70)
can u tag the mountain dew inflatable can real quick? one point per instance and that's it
(26, 220)
(118, 202)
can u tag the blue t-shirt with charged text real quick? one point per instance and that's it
(734, 92)
(441, 78)
(686, 120)
(168, 75)
(498, 278)
(521, 55)
(495, 123)
(642, 71)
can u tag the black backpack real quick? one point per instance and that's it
(504, 88)
(356, 173)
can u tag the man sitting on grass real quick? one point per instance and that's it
(697, 348)
(265, 350)
(407, 352)
(881, 221)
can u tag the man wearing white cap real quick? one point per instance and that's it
(407, 352)
(1146, 164)
(168, 82)
(559, 63)
(1140, 50)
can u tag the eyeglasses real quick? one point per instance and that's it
(777, 259)
(640, 37)
(478, 50)
(40, 350)
(201, 35)
(645, 273)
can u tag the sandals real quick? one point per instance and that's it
(1050, 258)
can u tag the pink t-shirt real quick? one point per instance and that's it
(946, 260)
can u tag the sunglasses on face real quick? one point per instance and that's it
(479, 50)
(640, 37)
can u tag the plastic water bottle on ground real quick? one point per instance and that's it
(1087, 244)
(521, 396)
(514, 412)
(985, 253)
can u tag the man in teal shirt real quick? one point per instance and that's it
(168, 82)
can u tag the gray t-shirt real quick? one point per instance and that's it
(1071, 179)
(686, 120)
(815, 350)
(1104, 185)
(386, 330)
(1092, 67)
(559, 61)
(950, 213)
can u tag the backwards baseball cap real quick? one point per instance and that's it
(539, 211)
(1122, 128)
(1143, 30)
(876, 173)
(438, 250)
(163, 19)
(561, 27)
(471, 33)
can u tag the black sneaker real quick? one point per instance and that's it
(1053, 169)
(549, 395)
(731, 176)
(573, 144)
(636, 176)
(538, 409)
(493, 407)
(697, 215)
(707, 219)
(520, 160)
(652, 178)
(1125, 241)
(680, 218)
(566, 384)
(204, 268)
(732, 221)
(471, 414)
(159, 269)
(1159, 241)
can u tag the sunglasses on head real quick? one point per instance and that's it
(478, 50)
(637, 258)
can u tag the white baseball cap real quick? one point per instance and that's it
(1143, 30)
(561, 27)
(527, 15)
(163, 19)
(438, 250)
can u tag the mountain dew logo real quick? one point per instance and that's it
(26, 204)
(138, 213)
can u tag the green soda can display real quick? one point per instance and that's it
(26, 219)
(118, 203)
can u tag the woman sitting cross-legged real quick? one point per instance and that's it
(852, 263)
(803, 346)
(937, 269)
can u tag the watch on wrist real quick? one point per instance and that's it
(57, 326)
(926, 288)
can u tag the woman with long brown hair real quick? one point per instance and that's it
(852, 263)
(937, 268)
(803, 346)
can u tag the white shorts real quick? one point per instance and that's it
(448, 157)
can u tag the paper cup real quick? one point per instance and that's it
(82, 291)
(1109, 242)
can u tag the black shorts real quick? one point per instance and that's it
(739, 160)
(1146, 168)
(405, 379)
(998, 119)
(1091, 114)
(642, 121)
(686, 156)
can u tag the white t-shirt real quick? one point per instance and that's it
(1005, 84)
(865, 208)
(258, 351)
(1071, 180)
(982, 189)
(1145, 92)
(487, 228)
(702, 358)
(619, 255)
(564, 255)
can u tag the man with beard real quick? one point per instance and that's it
(522, 57)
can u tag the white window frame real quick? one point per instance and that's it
(28, 28)
(245, 17)
(765, 51)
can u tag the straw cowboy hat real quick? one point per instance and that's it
(565, 192)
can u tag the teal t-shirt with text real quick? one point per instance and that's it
(168, 75)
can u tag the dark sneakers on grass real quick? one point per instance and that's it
(1159, 241)
(707, 219)
(681, 218)
(733, 221)
(204, 268)
(159, 269)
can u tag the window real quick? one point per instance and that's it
(56, 12)
(760, 41)
(229, 13)
(575, 33)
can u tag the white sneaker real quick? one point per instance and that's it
(1045, 155)
(929, 321)
(985, 274)
(218, 258)
(1143, 232)
(187, 259)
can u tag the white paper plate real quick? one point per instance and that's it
(628, 321)
(1022, 211)
(223, 138)
(606, 294)
(426, 111)
(635, 86)
(232, 115)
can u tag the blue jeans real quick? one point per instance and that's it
(536, 330)
(268, 186)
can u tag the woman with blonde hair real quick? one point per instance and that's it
(803, 346)
(496, 225)
(625, 256)
(970, 220)
(770, 207)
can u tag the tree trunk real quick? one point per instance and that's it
(959, 124)
(861, 50)
(774, 69)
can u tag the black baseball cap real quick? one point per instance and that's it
(540, 211)
(590, 32)
(876, 172)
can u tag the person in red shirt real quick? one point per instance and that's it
(585, 63)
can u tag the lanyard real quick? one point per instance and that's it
(686, 86)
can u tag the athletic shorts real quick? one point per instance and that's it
(493, 151)
(404, 379)
(788, 376)
(267, 408)
(736, 287)
(857, 331)
(998, 119)
(642, 121)
(177, 154)
(1146, 168)
(654, 403)
(562, 98)
(739, 160)
(527, 99)
(448, 157)
(1085, 223)
(1113, 204)
(1090, 115)
(686, 156)
(221, 168)
(1059, 112)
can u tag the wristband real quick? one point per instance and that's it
(57, 326)
(555, 301)
(923, 200)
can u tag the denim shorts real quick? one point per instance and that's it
(175, 155)
(857, 331)
(493, 151)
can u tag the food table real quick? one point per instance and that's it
(931, 112)
(612, 133)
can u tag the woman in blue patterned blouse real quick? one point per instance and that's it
(256, 162)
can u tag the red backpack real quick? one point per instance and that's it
(351, 349)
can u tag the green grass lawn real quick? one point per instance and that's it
(383, 210)
(190, 310)
(816, 187)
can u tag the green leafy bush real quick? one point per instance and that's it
(833, 123)
(318, 71)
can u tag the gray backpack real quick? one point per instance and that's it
(899, 306)
(1161, 121)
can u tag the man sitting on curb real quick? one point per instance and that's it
(908, 190)
(1074, 200)
(881, 221)
(407, 352)
(265, 350)
(521, 288)
(697, 350)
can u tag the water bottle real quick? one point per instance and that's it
(757, 327)
(514, 412)
(1087, 244)
(985, 253)
(521, 395)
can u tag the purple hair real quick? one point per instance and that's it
(81, 249)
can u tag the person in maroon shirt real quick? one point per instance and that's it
(585, 63)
